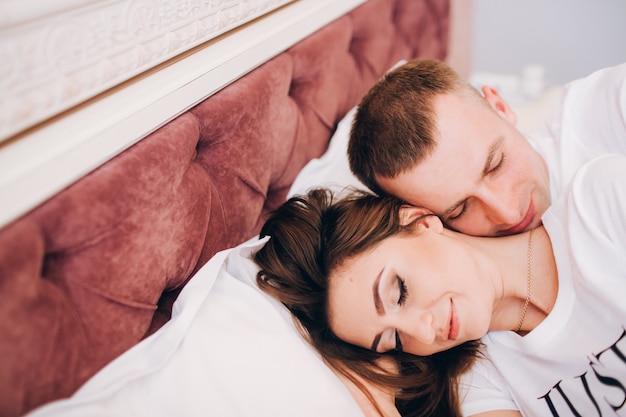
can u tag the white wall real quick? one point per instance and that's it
(570, 38)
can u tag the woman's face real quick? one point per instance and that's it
(422, 292)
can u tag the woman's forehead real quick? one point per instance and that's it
(350, 293)
(365, 266)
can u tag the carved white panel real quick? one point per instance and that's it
(37, 163)
(55, 56)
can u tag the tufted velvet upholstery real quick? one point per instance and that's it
(93, 270)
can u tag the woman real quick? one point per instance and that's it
(368, 277)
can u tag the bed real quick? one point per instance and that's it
(97, 300)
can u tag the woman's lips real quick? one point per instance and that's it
(453, 333)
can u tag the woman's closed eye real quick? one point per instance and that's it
(402, 291)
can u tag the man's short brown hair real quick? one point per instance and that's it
(394, 125)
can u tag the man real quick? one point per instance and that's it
(428, 137)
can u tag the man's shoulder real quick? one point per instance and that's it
(610, 74)
(593, 204)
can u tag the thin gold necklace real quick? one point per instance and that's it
(530, 281)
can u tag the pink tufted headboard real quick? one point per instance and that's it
(93, 270)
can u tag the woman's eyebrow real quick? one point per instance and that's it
(378, 302)
(380, 308)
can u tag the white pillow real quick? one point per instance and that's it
(332, 169)
(229, 350)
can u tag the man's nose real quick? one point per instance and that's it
(501, 207)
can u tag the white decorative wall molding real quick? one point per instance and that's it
(57, 56)
(38, 163)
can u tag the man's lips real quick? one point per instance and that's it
(453, 332)
(526, 221)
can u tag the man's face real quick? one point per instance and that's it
(483, 177)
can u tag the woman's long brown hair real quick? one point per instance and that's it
(310, 236)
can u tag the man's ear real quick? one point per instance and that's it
(499, 105)
(423, 217)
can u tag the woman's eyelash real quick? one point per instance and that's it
(401, 299)
(403, 291)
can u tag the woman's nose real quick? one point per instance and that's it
(421, 327)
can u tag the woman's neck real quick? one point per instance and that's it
(527, 271)
(545, 281)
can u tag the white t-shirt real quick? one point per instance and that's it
(574, 362)
(589, 121)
